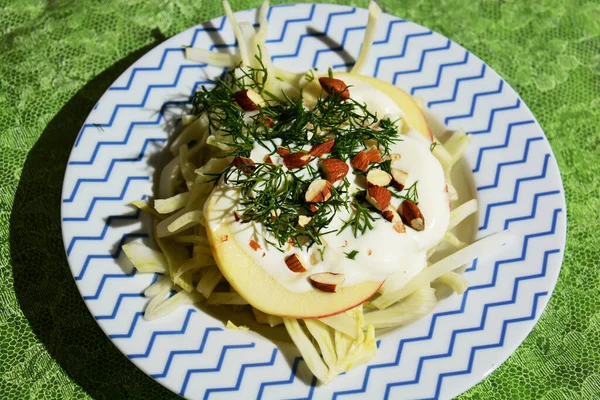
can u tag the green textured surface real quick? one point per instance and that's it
(57, 57)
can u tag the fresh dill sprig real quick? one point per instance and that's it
(272, 195)
(352, 254)
(361, 219)
(433, 146)
(410, 193)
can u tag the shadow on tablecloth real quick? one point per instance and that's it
(42, 279)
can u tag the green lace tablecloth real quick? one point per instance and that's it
(57, 57)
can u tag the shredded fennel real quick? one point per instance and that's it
(330, 345)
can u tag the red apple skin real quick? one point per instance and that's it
(261, 290)
(337, 312)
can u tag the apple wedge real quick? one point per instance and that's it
(263, 292)
(413, 113)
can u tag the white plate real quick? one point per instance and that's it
(467, 337)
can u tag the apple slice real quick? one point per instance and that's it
(413, 113)
(263, 292)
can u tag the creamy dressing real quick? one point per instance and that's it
(381, 251)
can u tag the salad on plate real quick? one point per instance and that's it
(319, 200)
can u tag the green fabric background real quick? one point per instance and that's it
(57, 57)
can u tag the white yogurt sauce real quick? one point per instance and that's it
(381, 250)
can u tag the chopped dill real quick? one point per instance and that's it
(351, 255)
(273, 195)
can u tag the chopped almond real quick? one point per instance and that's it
(360, 161)
(294, 264)
(399, 178)
(392, 157)
(236, 216)
(255, 246)
(379, 197)
(412, 216)
(378, 177)
(334, 169)
(303, 220)
(373, 155)
(322, 148)
(399, 227)
(268, 159)
(297, 160)
(335, 86)
(267, 121)
(327, 281)
(224, 238)
(248, 99)
(282, 151)
(390, 214)
(318, 191)
(246, 165)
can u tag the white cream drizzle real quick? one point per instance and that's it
(381, 251)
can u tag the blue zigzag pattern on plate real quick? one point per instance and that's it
(216, 368)
(241, 375)
(474, 103)
(407, 38)
(422, 61)
(500, 343)
(156, 334)
(140, 157)
(133, 124)
(523, 160)
(341, 17)
(120, 299)
(113, 256)
(439, 74)
(109, 220)
(500, 146)
(437, 316)
(96, 199)
(490, 206)
(457, 85)
(480, 327)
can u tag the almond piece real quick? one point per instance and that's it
(360, 161)
(313, 208)
(334, 169)
(378, 177)
(266, 121)
(268, 159)
(236, 216)
(390, 214)
(282, 151)
(327, 281)
(392, 157)
(335, 86)
(294, 264)
(411, 215)
(303, 220)
(244, 164)
(224, 238)
(318, 191)
(373, 155)
(399, 178)
(322, 148)
(297, 160)
(379, 197)
(399, 227)
(255, 246)
(248, 99)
